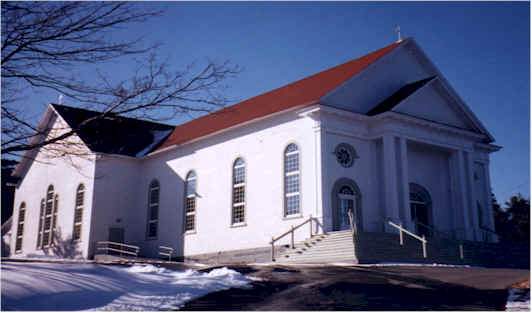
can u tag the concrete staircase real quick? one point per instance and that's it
(385, 247)
(323, 248)
(381, 247)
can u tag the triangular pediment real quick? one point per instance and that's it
(433, 102)
(405, 81)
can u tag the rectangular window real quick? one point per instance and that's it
(292, 183)
(239, 194)
(152, 229)
(292, 204)
(190, 213)
(238, 213)
(153, 210)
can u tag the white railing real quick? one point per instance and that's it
(121, 248)
(404, 230)
(166, 252)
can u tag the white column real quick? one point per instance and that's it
(456, 203)
(487, 182)
(404, 185)
(390, 179)
(462, 183)
(471, 192)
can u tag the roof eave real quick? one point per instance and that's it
(215, 133)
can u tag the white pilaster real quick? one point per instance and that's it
(404, 186)
(318, 165)
(390, 178)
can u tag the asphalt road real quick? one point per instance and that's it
(366, 288)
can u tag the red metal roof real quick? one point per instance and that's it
(304, 92)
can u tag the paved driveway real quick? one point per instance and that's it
(367, 288)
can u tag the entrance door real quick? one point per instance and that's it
(116, 234)
(346, 204)
(420, 206)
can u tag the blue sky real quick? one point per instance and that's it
(482, 48)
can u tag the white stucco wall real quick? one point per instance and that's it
(116, 196)
(261, 145)
(65, 174)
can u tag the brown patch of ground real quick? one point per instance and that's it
(525, 284)
(366, 288)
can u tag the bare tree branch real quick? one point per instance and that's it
(44, 43)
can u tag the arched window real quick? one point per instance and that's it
(291, 180)
(48, 218)
(238, 214)
(78, 212)
(346, 190)
(41, 224)
(420, 209)
(153, 209)
(20, 227)
(190, 202)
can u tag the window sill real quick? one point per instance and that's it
(292, 217)
(236, 225)
(190, 232)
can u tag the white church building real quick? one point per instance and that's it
(384, 137)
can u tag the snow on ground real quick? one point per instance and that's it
(518, 300)
(48, 286)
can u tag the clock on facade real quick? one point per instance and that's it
(345, 154)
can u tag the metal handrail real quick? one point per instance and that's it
(437, 231)
(403, 230)
(122, 248)
(291, 231)
(352, 223)
(166, 251)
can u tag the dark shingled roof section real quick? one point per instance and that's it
(115, 134)
(398, 96)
